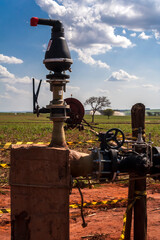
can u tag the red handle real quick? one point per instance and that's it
(34, 21)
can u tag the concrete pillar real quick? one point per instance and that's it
(39, 179)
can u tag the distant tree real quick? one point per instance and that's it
(97, 103)
(149, 114)
(108, 112)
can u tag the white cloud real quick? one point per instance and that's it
(88, 15)
(119, 90)
(151, 87)
(133, 34)
(156, 34)
(52, 7)
(73, 88)
(104, 91)
(90, 25)
(26, 80)
(44, 46)
(85, 57)
(147, 85)
(10, 60)
(13, 89)
(5, 96)
(144, 36)
(133, 15)
(121, 75)
(7, 77)
(4, 74)
(85, 30)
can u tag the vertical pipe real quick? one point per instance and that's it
(58, 135)
(58, 112)
(140, 208)
(58, 94)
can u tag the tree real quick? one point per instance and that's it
(149, 113)
(97, 103)
(108, 112)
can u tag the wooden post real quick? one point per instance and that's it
(140, 212)
(40, 185)
(140, 209)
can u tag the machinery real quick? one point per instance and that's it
(75, 112)
(57, 60)
(103, 163)
(111, 158)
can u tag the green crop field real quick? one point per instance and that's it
(26, 127)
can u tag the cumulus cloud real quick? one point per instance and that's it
(104, 91)
(13, 89)
(7, 77)
(10, 60)
(5, 74)
(151, 87)
(10, 78)
(147, 85)
(133, 34)
(52, 7)
(26, 80)
(156, 34)
(90, 25)
(121, 75)
(88, 35)
(133, 15)
(73, 88)
(85, 57)
(144, 36)
(5, 96)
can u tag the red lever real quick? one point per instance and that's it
(34, 21)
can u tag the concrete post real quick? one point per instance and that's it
(39, 180)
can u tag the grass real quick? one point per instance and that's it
(22, 117)
(113, 119)
(24, 132)
(27, 127)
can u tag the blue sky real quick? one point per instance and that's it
(114, 44)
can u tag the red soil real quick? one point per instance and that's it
(103, 222)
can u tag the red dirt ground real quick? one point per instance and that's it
(104, 222)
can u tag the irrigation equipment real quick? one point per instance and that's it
(110, 159)
(75, 112)
(57, 60)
